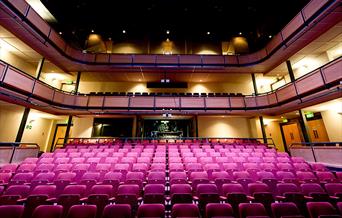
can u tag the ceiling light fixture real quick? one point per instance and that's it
(123, 31)
(60, 33)
(167, 32)
(208, 33)
(92, 31)
(240, 33)
(270, 36)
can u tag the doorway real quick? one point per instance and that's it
(317, 131)
(60, 132)
(292, 133)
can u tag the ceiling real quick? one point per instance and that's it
(189, 20)
(17, 47)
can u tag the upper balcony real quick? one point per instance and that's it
(320, 85)
(313, 20)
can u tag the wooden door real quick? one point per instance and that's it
(291, 133)
(317, 131)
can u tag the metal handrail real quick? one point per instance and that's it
(15, 145)
(313, 144)
(60, 141)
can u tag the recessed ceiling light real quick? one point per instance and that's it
(270, 36)
(240, 33)
(167, 32)
(92, 31)
(60, 33)
(123, 31)
(208, 33)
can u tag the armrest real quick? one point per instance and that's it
(51, 200)
(223, 198)
(83, 200)
(308, 198)
(334, 197)
(21, 200)
(250, 198)
(280, 198)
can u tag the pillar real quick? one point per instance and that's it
(263, 131)
(304, 126)
(254, 84)
(40, 67)
(26, 113)
(78, 79)
(290, 70)
(67, 131)
(196, 123)
(22, 125)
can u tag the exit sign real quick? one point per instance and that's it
(309, 114)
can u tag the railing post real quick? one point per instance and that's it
(313, 152)
(13, 150)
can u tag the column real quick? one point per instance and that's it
(254, 84)
(263, 131)
(304, 126)
(196, 123)
(39, 68)
(290, 70)
(27, 109)
(22, 125)
(78, 79)
(67, 131)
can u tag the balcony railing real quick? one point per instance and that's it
(19, 85)
(309, 16)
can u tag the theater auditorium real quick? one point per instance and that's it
(170, 109)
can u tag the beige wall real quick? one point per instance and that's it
(40, 132)
(219, 126)
(245, 88)
(333, 124)
(10, 118)
(82, 127)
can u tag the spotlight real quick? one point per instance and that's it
(92, 31)
(270, 36)
(208, 33)
(167, 32)
(123, 31)
(240, 33)
(60, 33)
